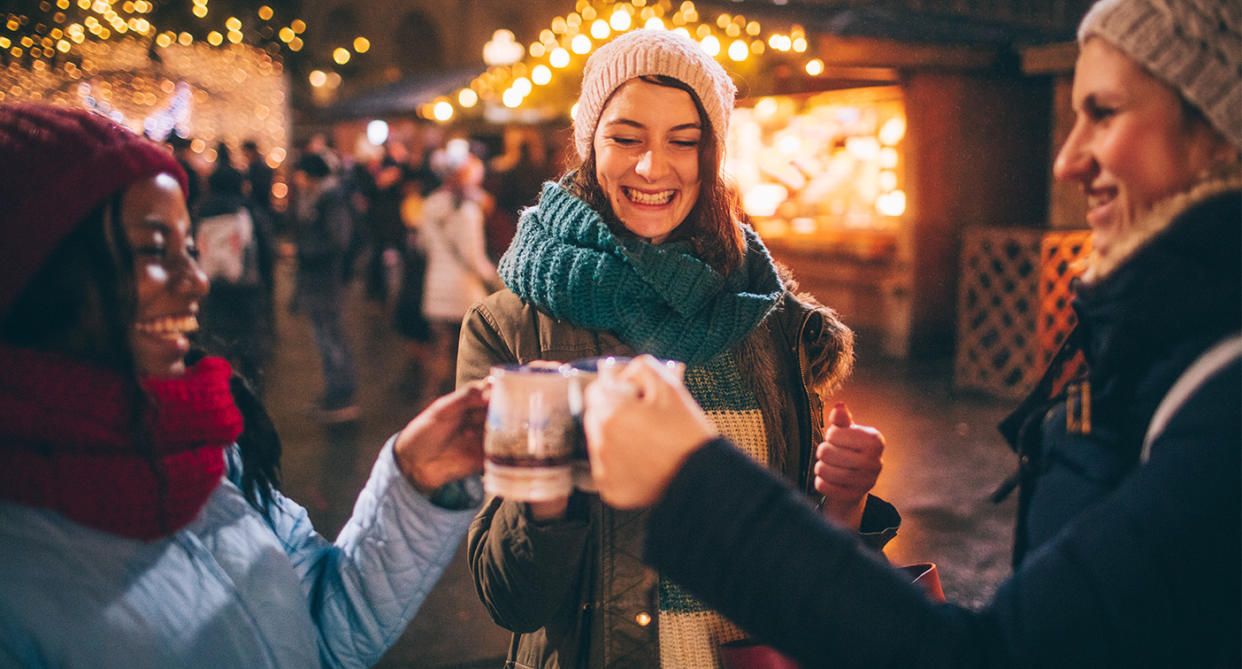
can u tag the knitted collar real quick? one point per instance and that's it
(66, 443)
(658, 299)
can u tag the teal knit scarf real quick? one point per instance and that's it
(658, 299)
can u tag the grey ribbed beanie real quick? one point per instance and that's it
(642, 52)
(1195, 46)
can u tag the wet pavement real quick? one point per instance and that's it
(943, 459)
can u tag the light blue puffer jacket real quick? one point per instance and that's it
(229, 589)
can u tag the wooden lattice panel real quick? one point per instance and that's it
(997, 309)
(1062, 256)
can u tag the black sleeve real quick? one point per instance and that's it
(1148, 577)
(769, 563)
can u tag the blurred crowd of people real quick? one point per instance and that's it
(418, 222)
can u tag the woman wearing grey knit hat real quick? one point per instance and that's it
(641, 249)
(1129, 533)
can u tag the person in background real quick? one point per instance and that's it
(237, 251)
(642, 248)
(1129, 530)
(141, 521)
(458, 272)
(515, 178)
(387, 232)
(180, 146)
(408, 318)
(322, 224)
(258, 176)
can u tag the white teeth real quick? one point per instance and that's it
(650, 198)
(168, 326)
(1099, 199)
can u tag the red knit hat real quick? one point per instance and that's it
(56, 165)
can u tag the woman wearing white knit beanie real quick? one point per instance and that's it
(1128, 543)
(639, 249)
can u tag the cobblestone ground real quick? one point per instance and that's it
(943, 458)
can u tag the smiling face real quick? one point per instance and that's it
(1132, 143)
(168, 281)
(647, 157)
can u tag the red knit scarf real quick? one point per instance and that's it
(67, 444)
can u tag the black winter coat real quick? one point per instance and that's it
(1120, 562)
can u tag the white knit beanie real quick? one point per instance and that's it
(1195, 46)
(644, 52)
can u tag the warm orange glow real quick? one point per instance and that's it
(817, 166)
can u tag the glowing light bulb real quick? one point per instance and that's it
(559, 57)
(620, 20)
(739, 50)
(892, 131)
(467, 98)
(764, 199)
(711, 45)
(891, 204)
(442, 111)
(377, 132)
(815, 67)
(541, 75)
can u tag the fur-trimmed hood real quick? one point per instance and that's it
(1150, 224)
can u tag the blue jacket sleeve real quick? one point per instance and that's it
(1148, 577)
(365, 588)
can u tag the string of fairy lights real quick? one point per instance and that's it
(210, 69)
(198, 68)
(551, 66)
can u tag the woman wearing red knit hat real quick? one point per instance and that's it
(141, 523)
